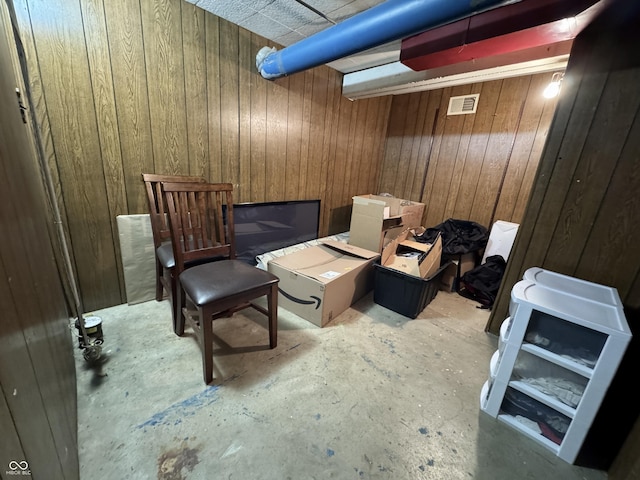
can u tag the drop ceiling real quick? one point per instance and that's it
(378, 71)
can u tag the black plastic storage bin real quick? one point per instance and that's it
(405, 294)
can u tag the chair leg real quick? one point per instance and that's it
(159, 287)
(206, 343)
(178, 316)
(272, 304)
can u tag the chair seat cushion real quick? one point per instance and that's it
(165, 255)
(215, 281)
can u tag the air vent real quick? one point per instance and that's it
(463, 105)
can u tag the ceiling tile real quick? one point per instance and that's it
(289, 38)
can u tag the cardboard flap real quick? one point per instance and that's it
(307, 258)
(424, 266)
(350, 249)
(423, 247)
(326, 261)
(390, 248)
(373, 208)
(431, 264)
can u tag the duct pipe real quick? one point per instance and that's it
(386, 22)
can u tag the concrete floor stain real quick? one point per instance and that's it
(172, 463)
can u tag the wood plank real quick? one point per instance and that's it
(444, 162)
(365, 185)
(501, 139)
(352, 165)
(537, 148)
(276, 154)
(305, 135)
(331, 134)
(482, 121)
(293, 138)
(162, 36)
(607, 135)
(317, 108)
(354, 160)
(379, 141)
(96, 40)
(128, 70)
(394, 135)
(377, 118)
(434, 159)
(229, 105)
(522, 149)
(361, 164)
(246, 60)
(63, 61)
(403, 172)
(258, 138)
(610, 252)
(411, 190)
(632, 296)
(460, 160)
(212, 37)
(343, 161)
(195, 71)
(433, 101)
(328, 93)
(563, 149)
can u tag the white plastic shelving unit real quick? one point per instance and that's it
(557, 354)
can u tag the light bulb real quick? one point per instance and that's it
(552, 90)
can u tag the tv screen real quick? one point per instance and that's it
(263, 227)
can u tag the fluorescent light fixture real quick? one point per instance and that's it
(398, 79)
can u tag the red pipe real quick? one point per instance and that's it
(521, 27)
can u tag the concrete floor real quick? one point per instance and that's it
(373, 395)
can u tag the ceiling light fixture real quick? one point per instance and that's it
(553, 89)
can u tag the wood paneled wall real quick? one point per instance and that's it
(38, 413)
(475, 167)
(583, 218)
(162, 86)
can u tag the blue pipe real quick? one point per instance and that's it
(386, 22)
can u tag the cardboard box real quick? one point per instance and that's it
(463, 263)
(406, 284)
(413, 258)
(375, 220)
(466, 262)
(319, 283)
(449, 278)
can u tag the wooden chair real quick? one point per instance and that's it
(201, 223)
(165, 278)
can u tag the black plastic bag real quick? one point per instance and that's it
(458, 236)
(482, 283)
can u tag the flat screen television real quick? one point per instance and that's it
(263, 227)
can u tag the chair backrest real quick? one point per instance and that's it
(156, 201)
(201, 221)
